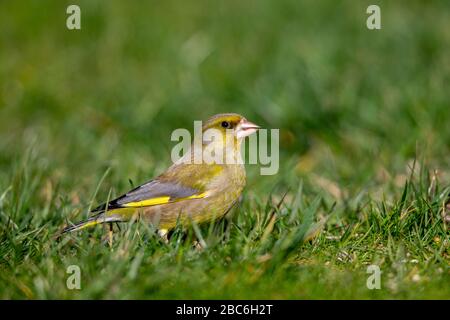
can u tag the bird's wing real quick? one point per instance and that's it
(153, 193)
(179, 182)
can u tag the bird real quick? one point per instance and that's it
(189, 190)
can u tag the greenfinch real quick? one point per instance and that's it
(188, 190)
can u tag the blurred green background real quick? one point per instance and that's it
(354, 106)
(116, 89)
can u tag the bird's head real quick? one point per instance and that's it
(221, 139)
(232, 123)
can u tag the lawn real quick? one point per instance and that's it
(364, 120)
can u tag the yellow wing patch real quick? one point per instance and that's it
(148, 202)
(88, 224)
(195, 196)
(160, 200)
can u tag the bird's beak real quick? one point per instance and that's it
(245, 128)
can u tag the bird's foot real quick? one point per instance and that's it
(163, 233)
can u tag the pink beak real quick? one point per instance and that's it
(246, 128)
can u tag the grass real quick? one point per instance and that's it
(364, 147)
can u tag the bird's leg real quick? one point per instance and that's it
(197, 245)
(163, 234)
(110, 235)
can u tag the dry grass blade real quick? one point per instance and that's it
(273, 217)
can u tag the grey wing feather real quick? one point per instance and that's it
(149, 190)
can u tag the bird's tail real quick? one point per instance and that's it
(98, 219)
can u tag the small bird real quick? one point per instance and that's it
(187, 191)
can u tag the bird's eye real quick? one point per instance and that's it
(225, 124)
